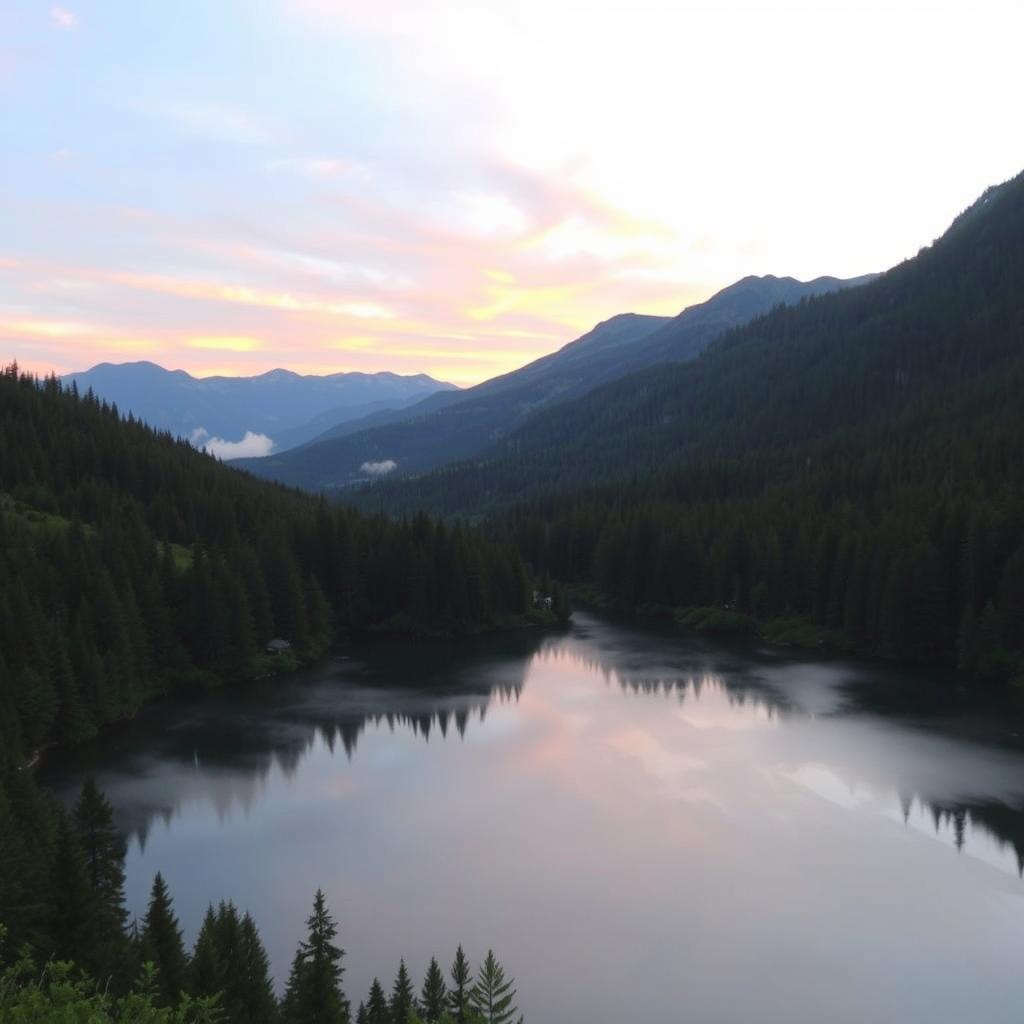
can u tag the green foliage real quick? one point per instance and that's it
(459, 992)
(492, 997)
(229, 961)
(58, 992)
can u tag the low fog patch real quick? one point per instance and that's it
(378, 468)
(252, 446)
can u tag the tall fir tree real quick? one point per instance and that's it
(403, 1001)
(434, 996)
(458, 995)
(204, 966)
(492, 997)
(162, 944)
(104, 849)
(377, 1011)
(314, 994)
(256, 999)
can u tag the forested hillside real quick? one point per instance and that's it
(926, 328)
(131, 564)
(450, 427)
(903, 539)
(852, 468)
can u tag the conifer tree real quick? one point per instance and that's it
(377, 1011)
(204, 967)
(402, 1001)
(104, 849)
(434, 997)
(257, 999)
(314, 994)
(73, 925)
(492, 997)
(162, 944)
(458, 995)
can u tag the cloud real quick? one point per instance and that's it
(378, 468)
(321, 167)
(63, 19)
(215, 121)
(252, 446)
(228, 344)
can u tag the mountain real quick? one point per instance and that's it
(848, 472)
(927, 327)
(281, 407)
(449, 427)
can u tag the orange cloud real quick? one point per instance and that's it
(230, 344)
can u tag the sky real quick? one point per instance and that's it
(457, 188)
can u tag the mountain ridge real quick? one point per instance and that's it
(443, 429)
(280, 405)
(934, 321)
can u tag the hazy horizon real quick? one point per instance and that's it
(460, 190)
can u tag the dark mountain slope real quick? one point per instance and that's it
(467, 423)
(925, 327)
(902, 537)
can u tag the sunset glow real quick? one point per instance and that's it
(458, 188)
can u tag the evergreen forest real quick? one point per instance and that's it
(132, 565)
(846, 472)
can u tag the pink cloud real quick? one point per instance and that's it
(63, 19)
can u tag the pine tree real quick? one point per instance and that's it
(104, 850)
(162, 944)
(377, 1011)
(228, 934)
(73, 925)
(402, 1001)
(492, 996)
(314, 994)
(434, 997)
(458, 995)
(257, 998)
(204, 967)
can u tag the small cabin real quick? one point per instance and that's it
(278, 646)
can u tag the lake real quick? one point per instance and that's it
(645, 827)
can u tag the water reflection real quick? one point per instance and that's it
(656, 815)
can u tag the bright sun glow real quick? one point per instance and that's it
(459, 188)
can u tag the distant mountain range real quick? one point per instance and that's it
(250, 415)
(451, 426)
(923, 342)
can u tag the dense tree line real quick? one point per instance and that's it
(854, 462)
(904, 538)
(72, 954)
(130, 564)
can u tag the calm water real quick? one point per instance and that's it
(645, 828)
